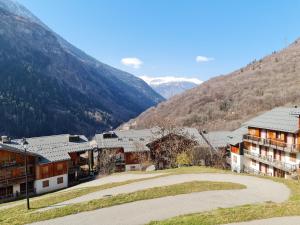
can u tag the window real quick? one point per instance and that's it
(60, 180)
(45, 183)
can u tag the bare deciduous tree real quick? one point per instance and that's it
(168, 142)
(107, 161)
(204, 156)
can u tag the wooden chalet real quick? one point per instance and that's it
(54, 162)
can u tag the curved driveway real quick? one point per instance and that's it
(140, 212)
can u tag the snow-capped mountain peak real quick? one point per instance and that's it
(169, 79)
(169, 86)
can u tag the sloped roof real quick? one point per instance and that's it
(129, 140)
(280, 119)
(137, 140)
(236, 136)
(51, 148)
(218, 139)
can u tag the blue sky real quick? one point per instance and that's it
(166, 36)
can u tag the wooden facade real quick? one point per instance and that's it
(12, 173)
(12, 167)
(51, 169)
(136, 157)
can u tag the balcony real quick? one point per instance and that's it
(269, 160)
(9, 164)
(256, 172)
(292, 148)
(14, 172)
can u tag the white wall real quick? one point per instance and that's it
(133, 167)
(238, 165)
(254, 149)
(271, 170)
(16, 188)
(298, 158)
(290, 138)
(256, 167)
(38, 184)
(270, 152)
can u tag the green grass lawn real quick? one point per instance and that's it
(57, 197)
(243, 213)
(185, 170)
(19, 215)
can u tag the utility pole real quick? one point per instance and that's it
(24, 144)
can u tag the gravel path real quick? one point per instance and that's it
(272, 221)
(141, 212)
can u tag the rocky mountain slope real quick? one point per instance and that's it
(49, 86)
(224, 102)
(170, 86)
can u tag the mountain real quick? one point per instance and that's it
(48, 86)
(170, 86)
(224, 102)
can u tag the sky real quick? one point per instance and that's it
(184, 38)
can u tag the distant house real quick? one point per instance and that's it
(54, 162)
(127, 145)
(271, 144)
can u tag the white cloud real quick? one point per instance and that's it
(201, 59)
(132, 62)
(169, 79)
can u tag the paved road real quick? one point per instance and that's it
(141, 212)
(273, 221)
(101, 181)
(115, 178)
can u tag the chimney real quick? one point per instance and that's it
(74, 138)
(5, 139)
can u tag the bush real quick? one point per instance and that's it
(183, 159)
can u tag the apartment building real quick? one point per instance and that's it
(271, 145)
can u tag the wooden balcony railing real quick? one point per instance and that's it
(9, 173)
(273, 143)
(9, 164)
(269, 160)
